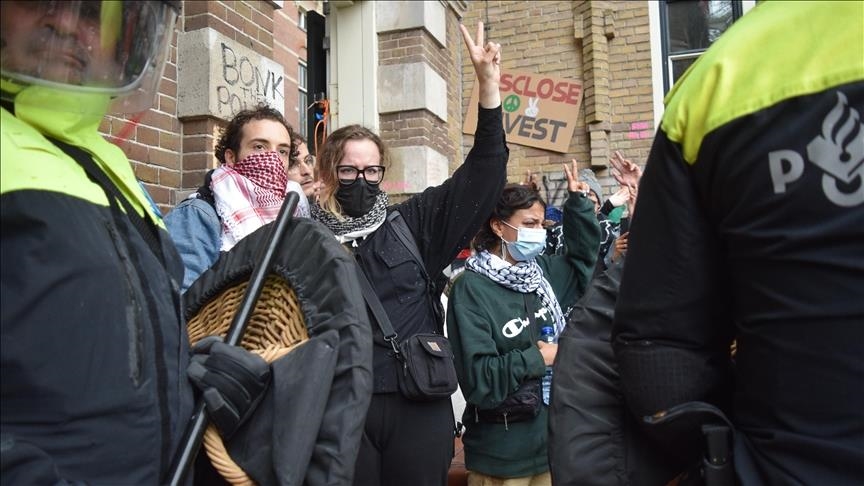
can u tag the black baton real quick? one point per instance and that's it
(195, 431)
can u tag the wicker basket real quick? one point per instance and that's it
(275, 328)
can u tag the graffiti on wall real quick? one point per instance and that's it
(640, 130)
(244, 83)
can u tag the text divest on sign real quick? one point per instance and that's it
(539, 110)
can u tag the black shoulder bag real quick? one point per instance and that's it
(428, 372)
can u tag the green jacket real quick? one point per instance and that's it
(496, 349)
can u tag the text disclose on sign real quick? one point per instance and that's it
(539, 110)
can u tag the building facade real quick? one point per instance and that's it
(582, 79)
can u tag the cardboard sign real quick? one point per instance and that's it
(539, 110)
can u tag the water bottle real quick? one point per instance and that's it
(547, 334)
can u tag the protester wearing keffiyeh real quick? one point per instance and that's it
(250, 193)
(348, 229)
(496, 311)
(524, 277)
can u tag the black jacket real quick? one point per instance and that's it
(307, 428)
(593, 441)
(749, 227)
(94, 351)
(443, 219)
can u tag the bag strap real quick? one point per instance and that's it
(374, 305)
(400, 227)
(148, 231)
(369, 295)
(407, 239)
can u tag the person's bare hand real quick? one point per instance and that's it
(548, 351)
(573, 182)
(531, 180)
(632, 191)
(620, 197)
(620, 247)
(485, 58)
(625, 172)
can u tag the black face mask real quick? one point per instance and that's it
(358, 198)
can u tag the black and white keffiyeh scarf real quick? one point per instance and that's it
(523, 277)
(348, 229)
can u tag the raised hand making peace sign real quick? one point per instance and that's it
(487, 64)
(573, 182)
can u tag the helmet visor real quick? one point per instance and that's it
(107, 47)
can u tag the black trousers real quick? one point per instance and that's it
(405, 443)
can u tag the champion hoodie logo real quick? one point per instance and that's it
(838, 151)
(514, 327)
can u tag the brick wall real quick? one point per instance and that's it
(630, 82)
(170, 156)
(541, 37)
(455, 108)
(249, 23)
(420, 127)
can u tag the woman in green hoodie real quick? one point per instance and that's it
(496, 310)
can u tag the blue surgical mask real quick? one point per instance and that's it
(529, 243)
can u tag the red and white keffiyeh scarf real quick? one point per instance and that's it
(250, 194)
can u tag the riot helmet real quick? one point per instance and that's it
(98, 47)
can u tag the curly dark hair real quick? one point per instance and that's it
(513, 198)
(297, 138)
(231, 136)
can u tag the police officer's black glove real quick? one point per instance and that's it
(231, 379)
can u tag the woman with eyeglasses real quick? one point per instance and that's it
(409, 442)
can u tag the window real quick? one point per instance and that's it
(303, 99)
(689, 28)
(681, 30)
(301, 19)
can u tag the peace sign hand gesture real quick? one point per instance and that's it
(487, 65)
(573, 182)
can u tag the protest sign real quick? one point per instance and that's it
(539, 110)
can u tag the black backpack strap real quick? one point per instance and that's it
(205, 193)
(145, 227)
